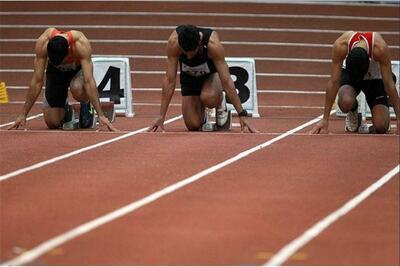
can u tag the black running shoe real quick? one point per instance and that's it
(68, 113)
(86, 116)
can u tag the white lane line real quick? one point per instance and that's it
(154, 89)
(145, 27)
(314, 60)
(234, 125)
(381, 3)
(75, 152)
(191, 14)
(28, 118)
(287, 251)
(178, 105)
(159, 72)
(48, 245)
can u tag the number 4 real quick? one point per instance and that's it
(115, 93)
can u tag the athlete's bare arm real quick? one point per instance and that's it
(382, 56)
(217, 54)
(339, 52)
(169, 81)
(36, 84)
(83, 50)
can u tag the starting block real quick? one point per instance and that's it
(72, 122)
(211, 126)
(3, 93)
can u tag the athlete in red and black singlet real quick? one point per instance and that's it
(372, 84)
(58, 78)
(194, 71)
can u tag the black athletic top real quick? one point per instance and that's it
(200, 65)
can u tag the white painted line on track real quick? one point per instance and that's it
(287, 251)
(48, 245)
(310, 2)
(178, 105)
(155, 27)
(76, 152)
(234, 125)
(193, 14)
(153, 89)
(159, 72)
(28, 118)
(314, 60)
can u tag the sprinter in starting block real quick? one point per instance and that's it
(367, 68)
(204, 76)
(66, 57)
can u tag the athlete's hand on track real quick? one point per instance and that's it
(158, 123)
(320, 128)
(19, 122)
(245, 124)
(105, 123)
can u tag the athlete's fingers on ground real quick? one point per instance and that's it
(112, 128)
(315, 130)
(242, 128)
(252, 129)
(16, 126)
(162, 128)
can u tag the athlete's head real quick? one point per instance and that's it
(357, 63)
(189, 38)
(57, 49)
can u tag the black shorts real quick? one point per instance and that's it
(191, 85)
(374, 90)
(57, 84)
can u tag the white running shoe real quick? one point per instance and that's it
(353, 121)
(222, 112)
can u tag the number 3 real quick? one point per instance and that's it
(242, 76)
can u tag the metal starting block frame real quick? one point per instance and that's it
(211, 126)
(73, 124)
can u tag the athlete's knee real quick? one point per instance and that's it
(347, 98)
(380, 126)
(52, 123)
(193, 126)
(76, 86)
(210, 98)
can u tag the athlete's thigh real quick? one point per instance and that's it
(212, 85)
(77, 81)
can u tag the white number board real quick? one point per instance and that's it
(243, 73)
(113, 80)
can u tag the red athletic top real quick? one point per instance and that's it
(70, 58)
(368, 37)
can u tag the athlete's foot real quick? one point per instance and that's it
(352, 121)
(222, 112)
(86, 116)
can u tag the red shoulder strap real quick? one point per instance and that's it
(54, 33)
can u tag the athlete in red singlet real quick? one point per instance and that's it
(361, 62)
(66, 57)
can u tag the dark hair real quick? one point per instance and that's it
(57, 49)
(188, 37)
(357, 63)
